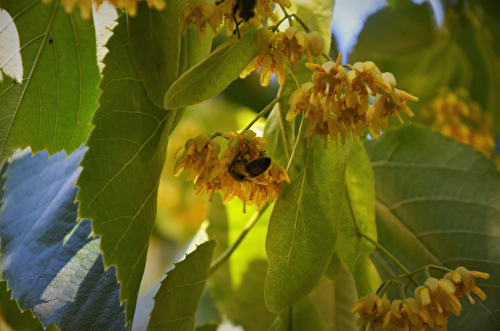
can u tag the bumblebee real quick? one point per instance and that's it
(240, 169)
(246, 8)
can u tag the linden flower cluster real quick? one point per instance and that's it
(199, 13)
(428, 309)
(86, 5)
(454, 116)
(275, 48)
(337, 102)
(200, 156)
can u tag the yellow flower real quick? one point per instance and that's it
(292, 43)
(463, 280)
(268, 62)
(199, 13)
(371, 310)
(86, 5)
(403, 316)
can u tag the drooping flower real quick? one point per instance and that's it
(371, 310)
(292, 44)
(463, 279)
(86, 5)
(199, 13)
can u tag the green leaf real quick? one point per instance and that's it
(438, 201)
(51, 106)
(180, 292)
(121, 170)
(333, 270)
(359, 212)
(304, 224)
(304, 315)
(335, 299)
(155, 46)
(212, 75)
(52, 263)
(196, 51)
(402, 29)
(317, 14)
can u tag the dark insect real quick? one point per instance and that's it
(50, 41)
(240, 169)
(246, 8)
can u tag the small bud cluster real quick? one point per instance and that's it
(454, 115)
(428, 309)
(337, 102)
(86, 5)
(203, 12)
(200, 156)
(274, 48)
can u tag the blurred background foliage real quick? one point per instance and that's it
(451, 62)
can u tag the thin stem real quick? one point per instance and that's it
(294, 151)
(227, 254)
(216, 134)
(286, 14)
(391, 257)
(282, 126)
(326, 56)
(262, 113)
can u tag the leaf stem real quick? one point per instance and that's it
(282, 126)
(294, 151)
(262, 113)
(408, 274)
(227, 254)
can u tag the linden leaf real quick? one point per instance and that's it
(51, 106)
(438, 202)
(304, 315)
(304, 224)
(155, 46)
(317, 14)
(335, 299)
(359, 211)
(121, 170)
(212, 75)
(180, 292)
(52, 263)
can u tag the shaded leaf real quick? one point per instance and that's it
(335, 299)
(121, 170)
(178, 297)
(333, 270)
(359, 212)
(196, 51)
(51, 262)
(51, 106)
(401, 29)
(438, 201)
(304, 315)
(155, 47)
(212, 75)
(304, 224)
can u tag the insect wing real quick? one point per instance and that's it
(258, 166)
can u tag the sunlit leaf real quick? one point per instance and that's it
(359, 212)
(121, 170)
(155, 46)
(438, 201)
(51, 106)
(52, 263)
(212, 75)
(304, 224)
(180, 292)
